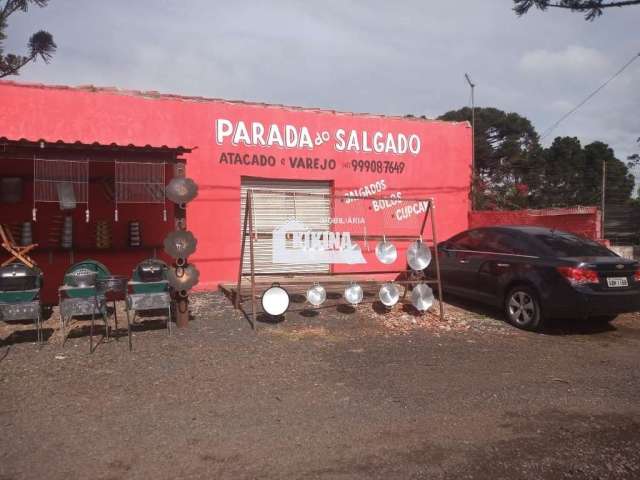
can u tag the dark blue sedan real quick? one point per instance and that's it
(537, 273)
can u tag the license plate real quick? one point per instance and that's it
(617, 282)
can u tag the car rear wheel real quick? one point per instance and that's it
(522, 308)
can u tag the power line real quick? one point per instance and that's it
(589, 97)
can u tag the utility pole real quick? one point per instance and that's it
(473, 140)
(602, 200)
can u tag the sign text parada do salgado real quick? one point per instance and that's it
(291, 136)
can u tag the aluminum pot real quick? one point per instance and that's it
(422, 297)
(386, 252)
(389, 294)
(418, 255)
(316, 295)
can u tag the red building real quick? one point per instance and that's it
(227, 147)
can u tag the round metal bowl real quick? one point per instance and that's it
(389, 294)
(418, 255)
(422, 297)
(353, 294)
(316, 295)
(386, 252)
(275, 301)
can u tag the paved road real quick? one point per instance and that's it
(332, 396)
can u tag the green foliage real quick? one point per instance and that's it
(40, 45)
(506, 149)
(592, 8)
(513, 171)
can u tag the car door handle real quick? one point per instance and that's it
(462, 260)
(503, 265)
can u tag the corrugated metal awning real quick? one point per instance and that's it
(58, 143)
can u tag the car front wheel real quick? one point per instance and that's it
(522, 308)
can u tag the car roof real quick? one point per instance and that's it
(528, 229)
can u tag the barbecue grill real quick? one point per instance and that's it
(149, 290)
(20, 295)
(79, 296)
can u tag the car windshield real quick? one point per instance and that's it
(566, 245)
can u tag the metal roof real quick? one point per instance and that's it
(44, 142)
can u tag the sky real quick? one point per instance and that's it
(388, 57)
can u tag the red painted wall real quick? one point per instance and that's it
(581, 220)
(441, 168)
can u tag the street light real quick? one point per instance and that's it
(473, 139)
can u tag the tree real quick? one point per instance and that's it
(506, 151)
(40, 45)
(513, 171)
(634, 159)
(592, 8)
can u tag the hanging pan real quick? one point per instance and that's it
(386, 252)
(316, 295)
(181, 190)
(389, 294)
(418, 255)
(422, 297)
(180, 244)
(183, 277)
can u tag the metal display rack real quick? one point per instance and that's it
(139, 182)
(60, 181)
(249, 235)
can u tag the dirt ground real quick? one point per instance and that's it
(333, 394)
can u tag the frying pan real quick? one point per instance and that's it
(418, 255)
(386, 252)
(316, 295)
(389, 294)
(422, 297)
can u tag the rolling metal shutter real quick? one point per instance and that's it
(272, 209)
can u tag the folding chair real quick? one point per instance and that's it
(18, 252)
